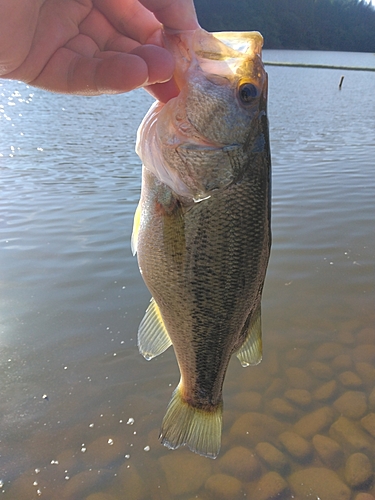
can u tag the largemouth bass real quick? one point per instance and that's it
(202, 226)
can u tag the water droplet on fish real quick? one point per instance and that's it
(130, 421)
(35, 483)
(110, 441)
(127, 456)
(146, 448)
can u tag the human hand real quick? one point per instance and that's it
(91, 47)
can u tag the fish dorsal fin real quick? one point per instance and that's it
(153, 338)
(136, 224)
(250, 352)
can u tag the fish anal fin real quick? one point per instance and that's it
(153, 338)
(136, 224)
(199, 429)
(250, 353)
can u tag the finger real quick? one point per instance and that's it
(130, 18)
(160, 62)
(174, 14)
(163, 91)
(110, 73)
(97, 27)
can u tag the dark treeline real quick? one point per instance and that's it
(347, 25)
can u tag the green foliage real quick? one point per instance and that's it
(296, 24)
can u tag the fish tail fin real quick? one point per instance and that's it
(197, 428)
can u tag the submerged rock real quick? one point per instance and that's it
(326, 391)
(351, 436)
(296, 445)
(318, 482)
(282, 409)
(273, 457)
(184, 472)
(224, 486)
(351, 404)
(300, 397)
(350, 380)
(368, 423)
(328, 450)
(241, 463)
(298, 378)
(314, 422)
(342, 362)
(253, 427)
(320, 370)
(270, 487)
(358, 471)
(328, 350)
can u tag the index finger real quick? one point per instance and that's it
(130, 18)
(174, 14)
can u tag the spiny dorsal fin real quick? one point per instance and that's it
(196, 428)
(136, 224)
(250, 352)
(153, 338)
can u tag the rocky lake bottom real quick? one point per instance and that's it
(301, 425)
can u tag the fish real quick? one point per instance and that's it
(202, 230)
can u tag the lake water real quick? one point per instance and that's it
(80, 409)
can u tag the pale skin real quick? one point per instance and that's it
(91, 47)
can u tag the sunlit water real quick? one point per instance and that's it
(80, 409)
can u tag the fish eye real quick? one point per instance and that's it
(247, 92)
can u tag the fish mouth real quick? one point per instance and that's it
(221, 53)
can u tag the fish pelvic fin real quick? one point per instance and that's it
(153, 338)
(136, 224)
(197, 428)
(250, 353)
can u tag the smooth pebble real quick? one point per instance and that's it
(358, 471)
(184, 472)
(368, 423)
(318, 482)
(351, 436)
(224, 486)
(300, 397)
(296, 445)
(326, 391)
(241, 463)
(272, 456)
(328, 450)
(269, 487)
(320, 370)
(314, 422)
(342, 362)
(351, 404)
(350, 380)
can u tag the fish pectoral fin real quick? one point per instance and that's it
(199, 429)
(136, 224)
(153, 338)
(250, 353)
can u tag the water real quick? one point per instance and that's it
(80, 409)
